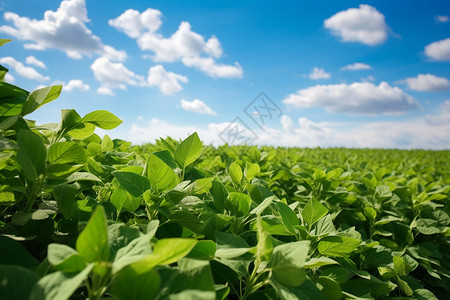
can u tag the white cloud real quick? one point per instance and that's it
(213, 69)
(368, 78)
(356, 66)
(9, 78)
(22, 70)
(439, 50)
(406, 134)
(167, 82)
(133, 23)
(428, 82)
(184, 45)
(362, 98)
(76, 84)
(64, 29)
(197, 106)
(31, 60)
(319, 73)
(114, 75)
(442, 19)
(365, 25)
(287, 123)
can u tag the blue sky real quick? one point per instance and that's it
(337, 73)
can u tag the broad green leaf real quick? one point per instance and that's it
(319, 261)
(264, 247)
(16, 282)
(219, 193)
(31, 155)
(251, 171)
(235, 172)
(81, 131)
(102, 119)
(200, 186)
(263, 205)
(338, 245)
(66, 153)
(288, 216)
(166, 157)
(204, 250)
(82, 176)
(287, 263)
(133, 183)
(161, 176)
(40, 97)
(313, 211)
(4, 41)
(193, 295)
(166, 251)
(189, 150)
(62, 171)
(6, 198)
(65, 259)
(370, 213)
(13, 253)
(65, 198)
(428, 226)
(92, 243)
(307, 291)
(11, 99)
(119, 236)
(59, 285)
(107, 144)
(132, 285)
(330, 288)
(69, 119)
(339, 274)
(238, 204)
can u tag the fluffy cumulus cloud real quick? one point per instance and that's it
(76, 84)
(442, 19)
(365, 25)
(197, 106)
(9, 78)
(319, 73)
(356, 67)
(22, 70)
(184, 45)
(427, 83)
(168, 82)
(64, 29)
(439, 50)
(430, 132)
(209, 66)
(363, 98)
(31, 60)
(114, 75)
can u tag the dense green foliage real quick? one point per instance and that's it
(89, 217)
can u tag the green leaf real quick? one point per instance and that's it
(319, 261)
(370, 213)
(107, 143)
(92, 243)
(193, 295)
(264, 247)
(330, 288)
(166, 251)
(31, 155)
(65, 259)
(58, 285)
(219, 193)
(16, 282)
(65, 198)
(119, 236)
(81, 131)
(166, 157)
(338, 245)
(62, 171)
(161, 176)
(251, 171)
(6, 198)
(132, 285)
(11, 99)
(66, 152)
(428, 226)
(69, 118)
(4, 41)
(287, 263)
(102, 119)
(204, 250)
(235, 172)
(313, 211)
(40, 97)
(133, 183)
(189, 150)
(238, 204)
(288, 216)
(13, 253)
